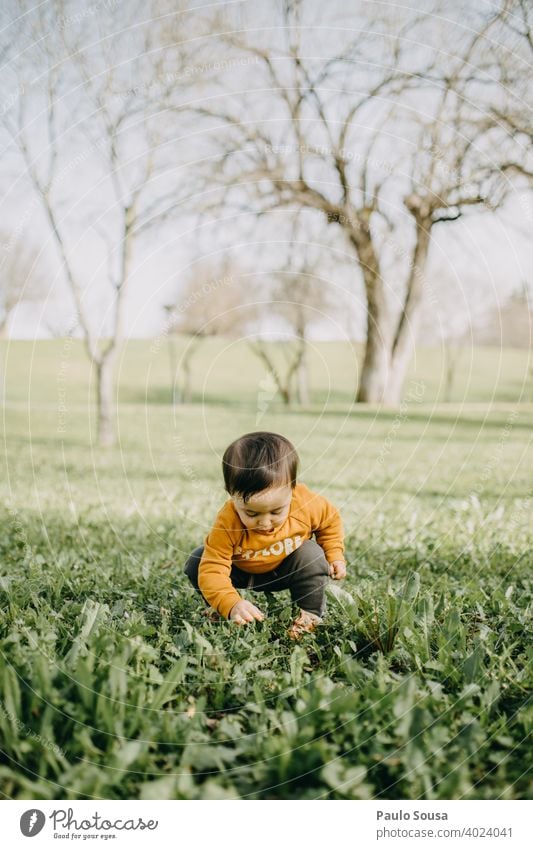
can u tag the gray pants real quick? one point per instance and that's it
(304, 573)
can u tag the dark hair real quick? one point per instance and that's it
(257, 461)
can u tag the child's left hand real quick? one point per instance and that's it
(337, 570)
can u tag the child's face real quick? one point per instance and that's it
(264, 511)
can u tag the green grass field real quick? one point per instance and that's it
(225, 371)
(114, 686)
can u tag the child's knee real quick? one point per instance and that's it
(313, 560)
(192, 566)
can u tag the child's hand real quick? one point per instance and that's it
(244, 612)
(337, 570)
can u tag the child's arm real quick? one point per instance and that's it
(214, 574)
(327, 525)
(215, 582)
(215, 570)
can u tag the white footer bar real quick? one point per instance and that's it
(269, 825)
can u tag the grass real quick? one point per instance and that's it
(226, 372)
(114, 686)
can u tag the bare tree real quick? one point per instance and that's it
(211, 303)
(383, 151)
(87, 126)
(23, 276)
(282, 374)
(298, 300)
(513, 121)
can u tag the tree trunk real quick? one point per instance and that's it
(185, 367)
(283, 385)
(392, 396)
(452, 353)
(304, 397)
(173, 370)
(405, 338)
(450, 374)
(376, 361)
(186, 389)
(295, 381)
(375, 368)
(302, 375)
(105, 400)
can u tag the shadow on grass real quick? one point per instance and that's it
(463, 417)
(342, 403)
(247, 399)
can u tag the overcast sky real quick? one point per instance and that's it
(475, 262)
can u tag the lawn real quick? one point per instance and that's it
(113, 685)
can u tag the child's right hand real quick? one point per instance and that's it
(244, 612)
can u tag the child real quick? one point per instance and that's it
(262, 536)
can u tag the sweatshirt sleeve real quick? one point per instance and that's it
(327, 525)
(215, 566)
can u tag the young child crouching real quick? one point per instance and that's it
(262, 537)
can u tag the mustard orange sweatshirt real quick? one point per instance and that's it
(229, 542)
